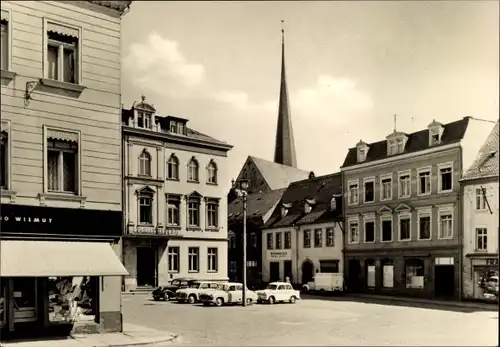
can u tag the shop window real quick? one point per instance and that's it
(329, 266)
(25, 299)
(72, 298)
(414, 269)
(3, 289)
(370, 273)
(387, 273)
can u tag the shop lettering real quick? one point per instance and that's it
(491, 261)
(279, 254)
(26, 219)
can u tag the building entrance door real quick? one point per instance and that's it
(444, 281)
(307, 271)
(288, 270)
(353, 273)
(274, 268)
(146, 266)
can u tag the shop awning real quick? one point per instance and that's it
(58, 259)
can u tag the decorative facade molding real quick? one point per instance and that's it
(62, 135)
(5, 16)
(62, 29)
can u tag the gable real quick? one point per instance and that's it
(384, 209)
(145, 190)
(403, 207)
(194, 194)
(251, 172)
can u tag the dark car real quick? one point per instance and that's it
(167, 292)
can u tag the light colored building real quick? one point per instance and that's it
(304, 234)
(61, 162)
(402, 209)
(175, 200)
(480, 221)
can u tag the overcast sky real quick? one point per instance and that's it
(350, 67)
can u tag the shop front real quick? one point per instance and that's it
(59, 271)
(483, 277)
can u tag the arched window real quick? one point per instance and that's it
(145, 164)
(212, 173)
(173, 168)
(193, 170)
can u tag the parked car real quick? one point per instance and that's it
(227, 294)
(167, 292)
(278, 292)
(192, 292)
(325, 282)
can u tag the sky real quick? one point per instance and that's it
(351, 66)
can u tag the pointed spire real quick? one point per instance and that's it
(284, 152)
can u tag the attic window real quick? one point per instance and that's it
(435, 137)
(435, 133)
(284, 212)
(362, 150)
(144, 120)
(173, 127)
(307, 208)
(361, 154)
(333, 204)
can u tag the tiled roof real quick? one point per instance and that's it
(258, 204)
(486, 162)
(321, 189)
(278, 176)
(418, 141)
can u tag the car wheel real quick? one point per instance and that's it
(166, 297)
(249, 302)
(192, 299)
(271, 300)
(292, 299)
(305, 289)
(219, 302)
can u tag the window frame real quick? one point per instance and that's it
(424, 212)
(350, 222)
(197, 262)
(6, 126)
(320, 243)
(349, 195)
(278, 240)
(442, 166)
(400, 190)
(174, 251)
(174, 200)
(287, 242)
(270, 241)
(196, 200)
(212, 166)
(420, 170)
(197, 165)
(253, 239)
(210, 202)
(173, 160)
(148, 162)
(483, 236)
(7, 16)
(329, 236)
(365, 181)
(482, 199)
(404, 216)
(382, 189)
(306, 235)
(445, 211)
(392, 147)
(150, 197)
(212, 259)
(369, 219)
(384, 218)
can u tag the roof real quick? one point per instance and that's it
(486, 163)
(417, 141)
(117, 5)
(319, 191)
(278, 176)
(258, 204)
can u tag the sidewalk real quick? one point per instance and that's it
(133, 335)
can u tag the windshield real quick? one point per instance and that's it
(272, 286)
(195, 285)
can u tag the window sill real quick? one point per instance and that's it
(172, 179)
(173, 226)
(404, 197)
(369, 241)
(193, 229)
(6, 193)
(424, 194)
(368, 202)
(212, 229)
(8, 75)
(191, 181)
(72, 87)
(194, 271)
(144, 176)
(446, 238)
(404, 240)
(212, 271)
(212, 183)
(424, 239)
(445, 191)
(61, 197)
(173, 271)
(388, 241)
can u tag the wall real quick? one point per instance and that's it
(250, 172)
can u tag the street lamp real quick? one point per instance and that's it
(243, 185)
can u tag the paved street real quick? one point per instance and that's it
(312, 322)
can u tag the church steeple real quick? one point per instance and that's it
(284, 151)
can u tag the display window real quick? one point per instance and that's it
(25, 299)
(71, 299)
(486, 283)
(3, 304)
(414, 269)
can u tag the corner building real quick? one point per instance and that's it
(175, 200)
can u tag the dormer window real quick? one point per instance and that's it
(400, 145)
(180, 128)
(362, 150)
(307, 208)
(392, 148)
(284, 211)
(396, 143)
(173, 127)
(143, 120)
(435, 133)
(333, 204)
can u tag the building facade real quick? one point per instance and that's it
(61, 167)
(403, 210)
(480, 192)
(175, 202)
(305, 234)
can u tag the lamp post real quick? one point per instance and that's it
(243, 185)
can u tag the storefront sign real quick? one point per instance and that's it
(36, 221)
(279, 254)
(146, 230)
(493, 261)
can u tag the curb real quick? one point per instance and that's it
(157, 343)
(136, 293)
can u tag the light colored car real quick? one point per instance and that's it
(227, 294)
(278, 292)
(191, 294)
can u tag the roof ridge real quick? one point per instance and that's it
(278, 164)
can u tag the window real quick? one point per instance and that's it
(173, 168)
(212, 261)
(253, 240)
(424, 226)
(173, 211)
(361, 154)
(145, 209)
(353, 193)
(144, 120)
(424, 181)
(414, 269)
(4, 158)
(4, 43)
(481, 239)
(369, 190)
(400, 145)
(333, 204)
(193, 170)
(193, 212)
(386, 185)
(145, 164)
(307, 239)
(330, 237)
(270, 241)
(173, 259)
(404, 185)
(387, 273)
(180, 128)
(194, 259)
(392, 147)
(386, 222)
(62, 63)
(288, 240)
(435, 136)
(173, 127)
(353, 232)
(445, 178)
(480, 199)
(212, 214)
(318, 238)
(329, 266)
(62, 164)
(370, 273)
(404, 227)
(445, 225)
(279, 241)
(370, 230)
(233, 266)
(212, 173)
(232, 242)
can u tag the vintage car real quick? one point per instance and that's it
(167, 292)
(278, 292)
(192, 292)
(227, 294)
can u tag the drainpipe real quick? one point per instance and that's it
(460, 230)
(296, 252)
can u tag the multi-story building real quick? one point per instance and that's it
(480, 223)
(259, 208)
(175, 200)
(60, 166)
(305, 234)
(402, 209)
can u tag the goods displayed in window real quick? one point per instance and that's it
(71, 299)
(486, 284)
(415, 274)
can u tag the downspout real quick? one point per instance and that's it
(296, 227)
(460, 233)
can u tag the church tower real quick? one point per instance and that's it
(284, 151)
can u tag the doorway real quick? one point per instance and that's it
(288, 270)
(444, 281)
(307, 271)
(353, 274)
(274, 267)
(146, 267)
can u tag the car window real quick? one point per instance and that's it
(184, 283)
(272, 286)
(289, 287)
(232, 288)
(213, 285)
(281, 287)
(205, 286)
(175, 283)
(240, 288)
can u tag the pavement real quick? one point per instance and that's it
(132, 335)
